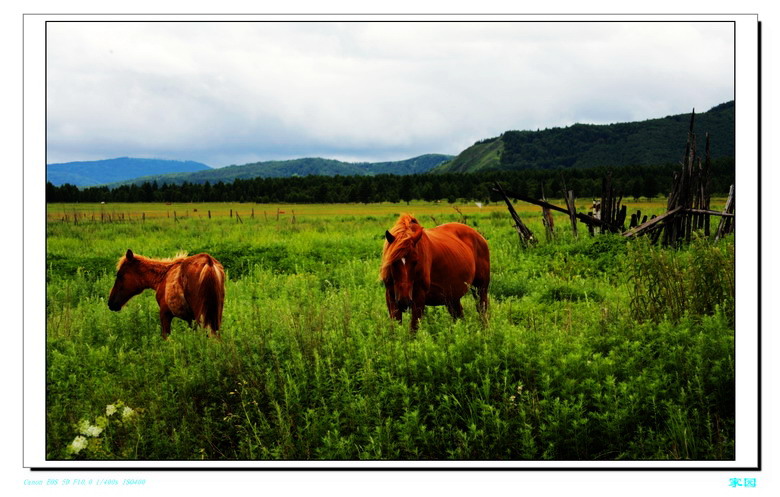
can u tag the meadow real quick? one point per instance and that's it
(596, 348)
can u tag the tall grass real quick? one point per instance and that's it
(310, 367)
(670, 284)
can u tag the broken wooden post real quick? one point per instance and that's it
(526, 237)
(572, 211)
(724, 227)
(621, 219)
(547, 219)
(635, 219)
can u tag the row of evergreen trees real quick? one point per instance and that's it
(644, 181)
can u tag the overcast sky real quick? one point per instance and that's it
(233, 93)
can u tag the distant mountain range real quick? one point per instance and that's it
(295, 167)
(650, 142)
(91, 173)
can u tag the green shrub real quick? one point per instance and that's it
(696, 280)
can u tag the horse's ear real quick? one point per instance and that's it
(417, 235)
(390, 238)
(129, 255)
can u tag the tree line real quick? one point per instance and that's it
(636, 181)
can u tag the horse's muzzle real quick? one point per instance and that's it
(113, 306)
(404, 303)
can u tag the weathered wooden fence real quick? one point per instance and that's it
(107, 216)
(688, 206)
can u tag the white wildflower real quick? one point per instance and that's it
(127, 413)
(110, 409)
(84, 425)
(93, 431)
(77, 444)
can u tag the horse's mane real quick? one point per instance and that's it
(402, 230)
(179, 256)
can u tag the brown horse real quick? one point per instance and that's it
(433, 267)
(190, 288)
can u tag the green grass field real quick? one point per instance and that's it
(596, 348)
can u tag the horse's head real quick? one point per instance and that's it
(128, 281)
(401, 257)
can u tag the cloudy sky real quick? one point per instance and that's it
(233, 93)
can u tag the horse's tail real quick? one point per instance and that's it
(211, 295)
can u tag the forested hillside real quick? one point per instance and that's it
(297, 167)
(641, 143)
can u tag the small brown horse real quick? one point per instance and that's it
(433, 267)
(190, 288)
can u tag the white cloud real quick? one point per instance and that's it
(228, 93)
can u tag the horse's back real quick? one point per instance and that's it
(471, 246)
(463, 233)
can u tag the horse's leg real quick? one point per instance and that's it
(214, 333)
(482, 278)
(418, 306)
(417, 311)
(166, 317)
(456, 309)
(481, 296)
(392, 308)
(479, 288)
